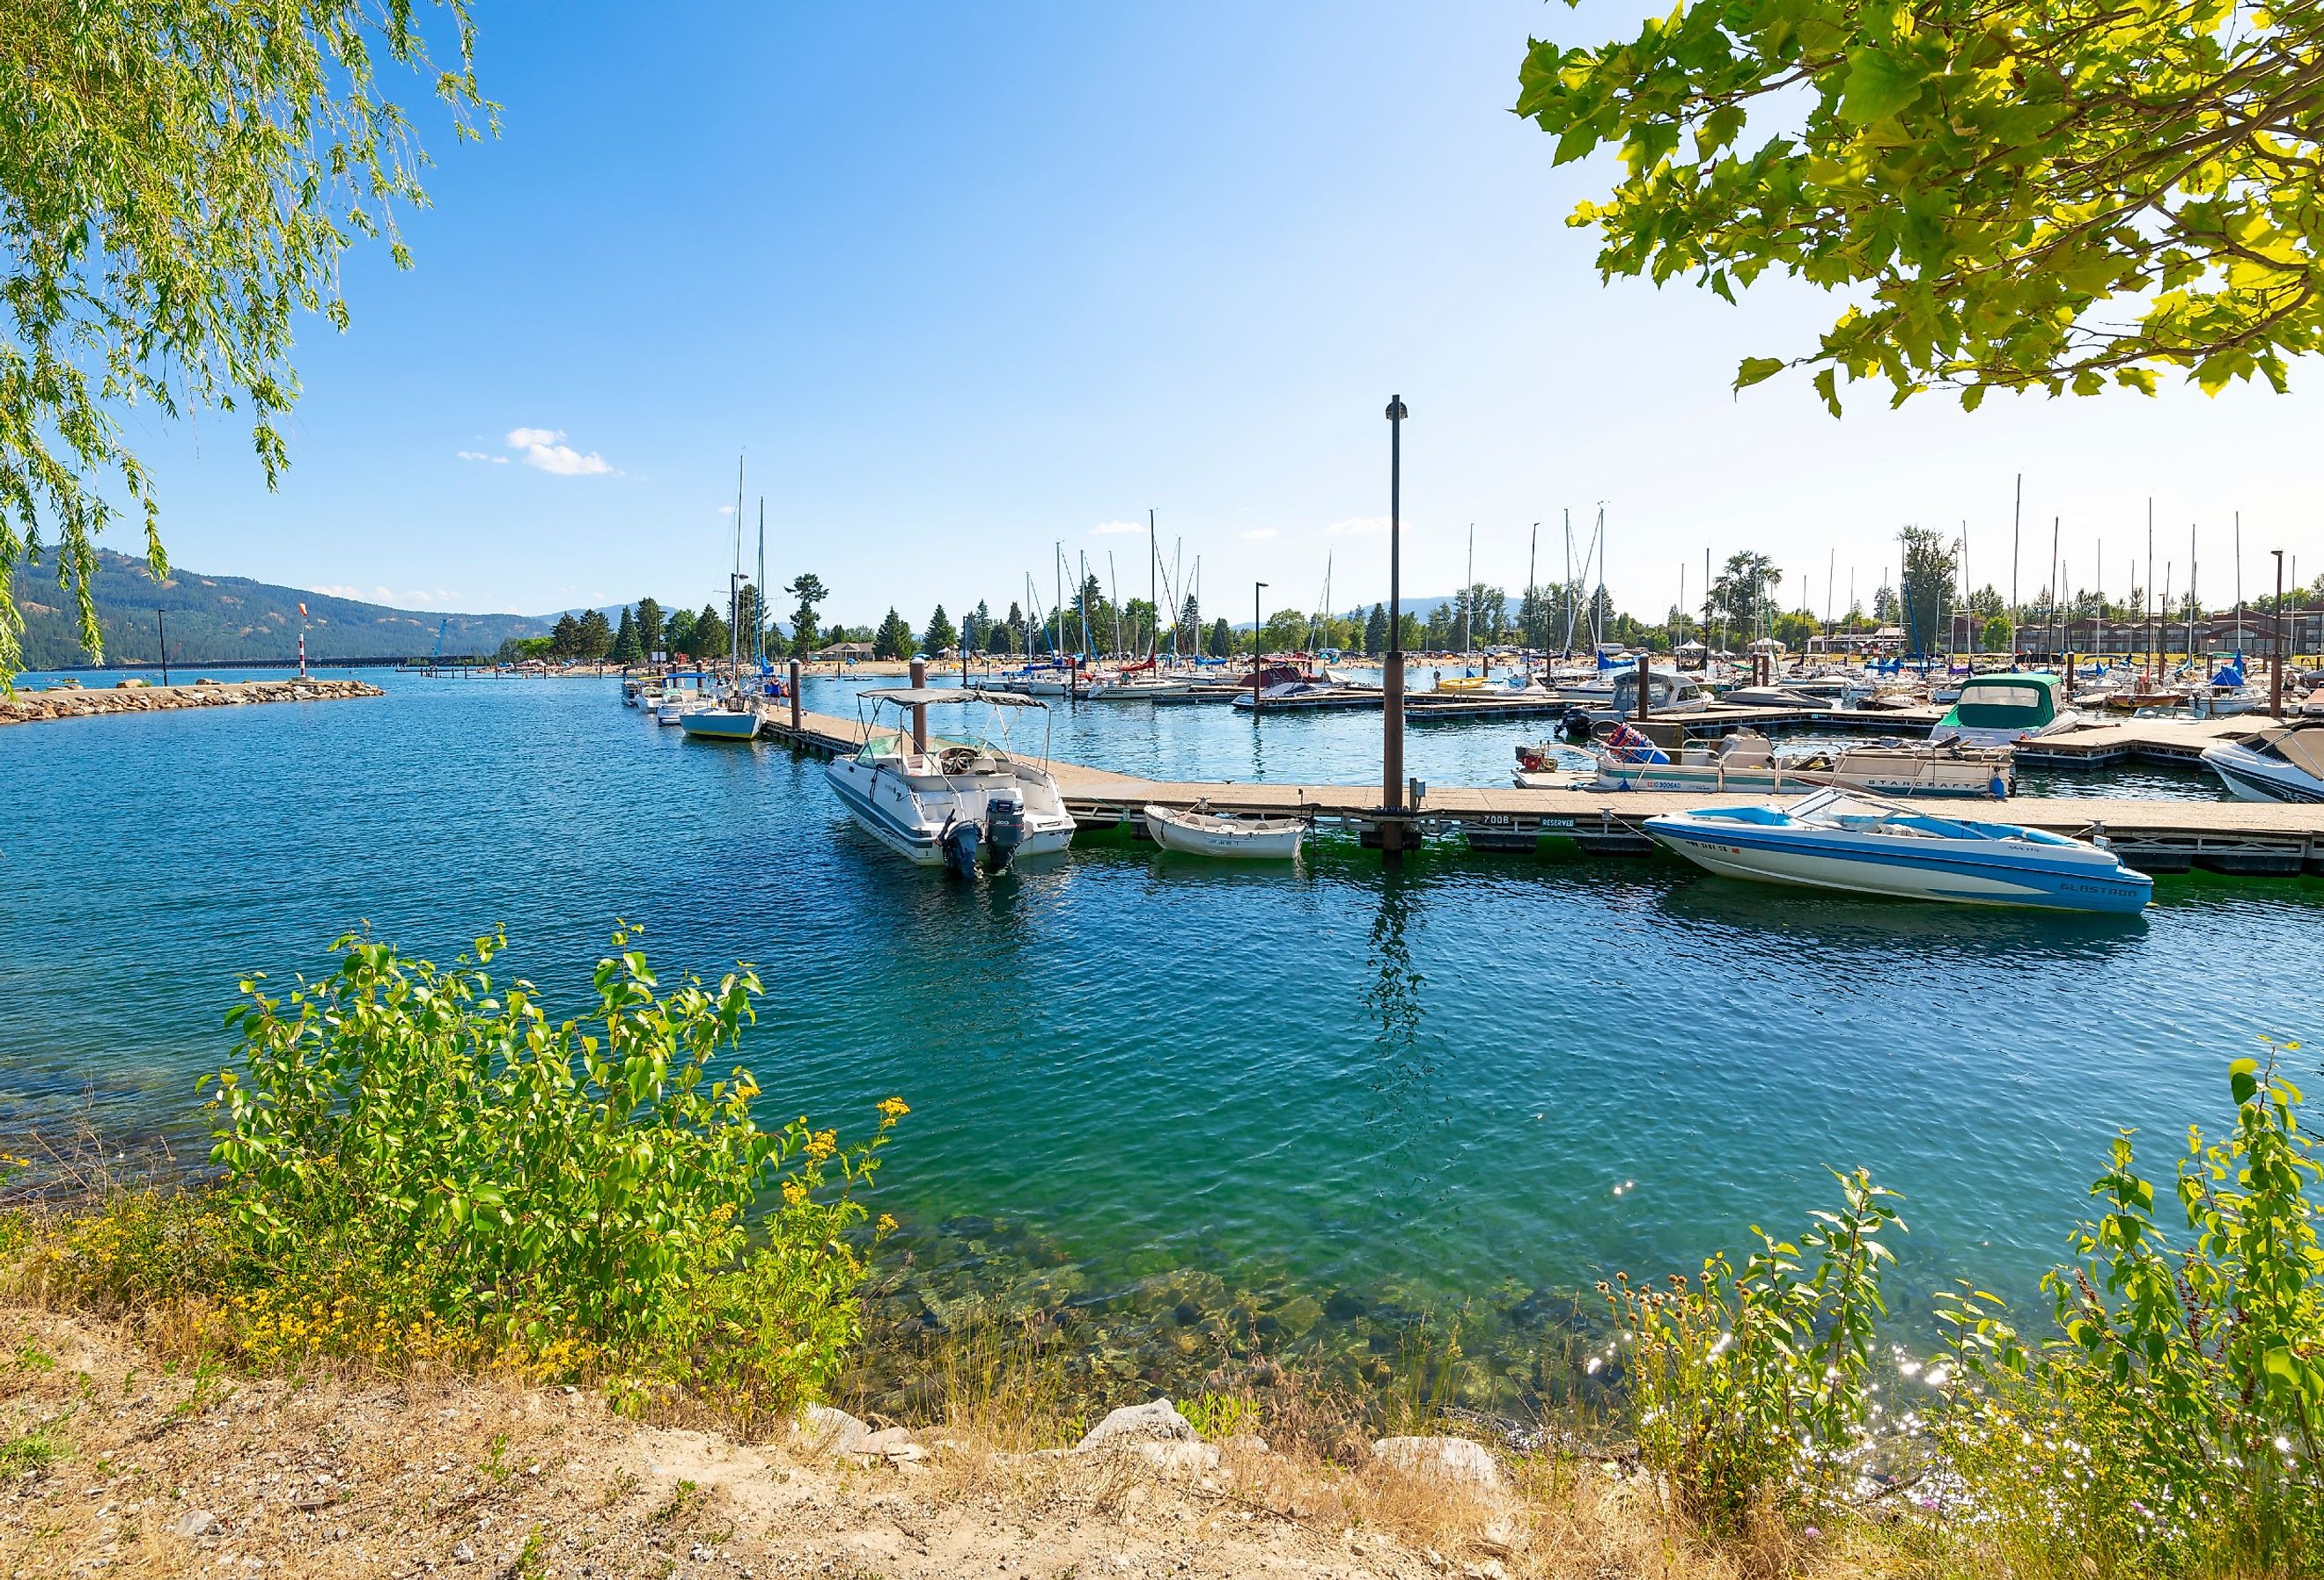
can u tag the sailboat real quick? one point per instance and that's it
(732, 718)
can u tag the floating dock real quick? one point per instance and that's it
(2247, 838)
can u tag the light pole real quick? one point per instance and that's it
(1392, 663)
(2276, 661)
(1256, 649)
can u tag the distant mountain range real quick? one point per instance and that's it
(219, 619)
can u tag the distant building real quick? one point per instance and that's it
(845, 652)
(2251, 632)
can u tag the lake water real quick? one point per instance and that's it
(1332, 1098)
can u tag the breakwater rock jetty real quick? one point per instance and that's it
(87, 702)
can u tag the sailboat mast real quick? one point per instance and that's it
(1153, 588)
(1569, 582)
(735, 591)
(1598, 610)
(1469, 600)
(2190, 593)
(1532, 554)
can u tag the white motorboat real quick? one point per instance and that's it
(1846, 840)
(1747, 762)
(682, 694)
(965, 805)
(1668, 689)
(1999, 710)
(1151, 686)
(1236, 836)
(1286, 696)
(2281, 765)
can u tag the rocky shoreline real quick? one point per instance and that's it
(76, 702)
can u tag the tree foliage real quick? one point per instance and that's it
(178, 183)
(940, 634)
(710, 638)
(1740, 596)
(2023, 194)
(894, 638)
(809, 589)
(595, 636)
(1931, 563)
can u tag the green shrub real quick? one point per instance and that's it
(2170, 1426)
(1748, 1389)
(417, 1163)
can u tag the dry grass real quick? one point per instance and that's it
(540, 1482)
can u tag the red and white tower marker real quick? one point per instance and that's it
(302, 642)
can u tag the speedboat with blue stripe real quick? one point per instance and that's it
(1846, 840)
(961, 804)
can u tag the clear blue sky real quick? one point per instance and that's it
(968, 281)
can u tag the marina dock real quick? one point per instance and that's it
(2247, 838)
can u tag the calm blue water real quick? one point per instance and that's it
(1486, 1075)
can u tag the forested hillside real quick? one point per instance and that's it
(212, 619)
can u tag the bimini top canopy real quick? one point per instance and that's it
(929, 696)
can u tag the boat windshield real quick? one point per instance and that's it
(885, 715)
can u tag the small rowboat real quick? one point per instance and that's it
(1202, 832)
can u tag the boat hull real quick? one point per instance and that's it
(717, 725)
(883, 805)
(1193, 837)
(1892, 867)
(2250, 777)
(1903, 776)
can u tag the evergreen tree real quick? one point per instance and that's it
(1190, 625)
(593, 638)
(1222, 638)
(747, 617)
(650, 631)
(1931, 566)
(809, 590)
(1376, 631)
(709, 634)
(894, 638)
(677, 634)
(940, 634)
(564, 636)
(626, 650)
(976, 630)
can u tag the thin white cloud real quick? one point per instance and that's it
(1256, 534)
(1115, 529)
(481, 456)
(544, 447)
(378, 594)
(1357, 527)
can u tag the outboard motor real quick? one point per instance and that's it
(961, 838)
(1004, 826)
